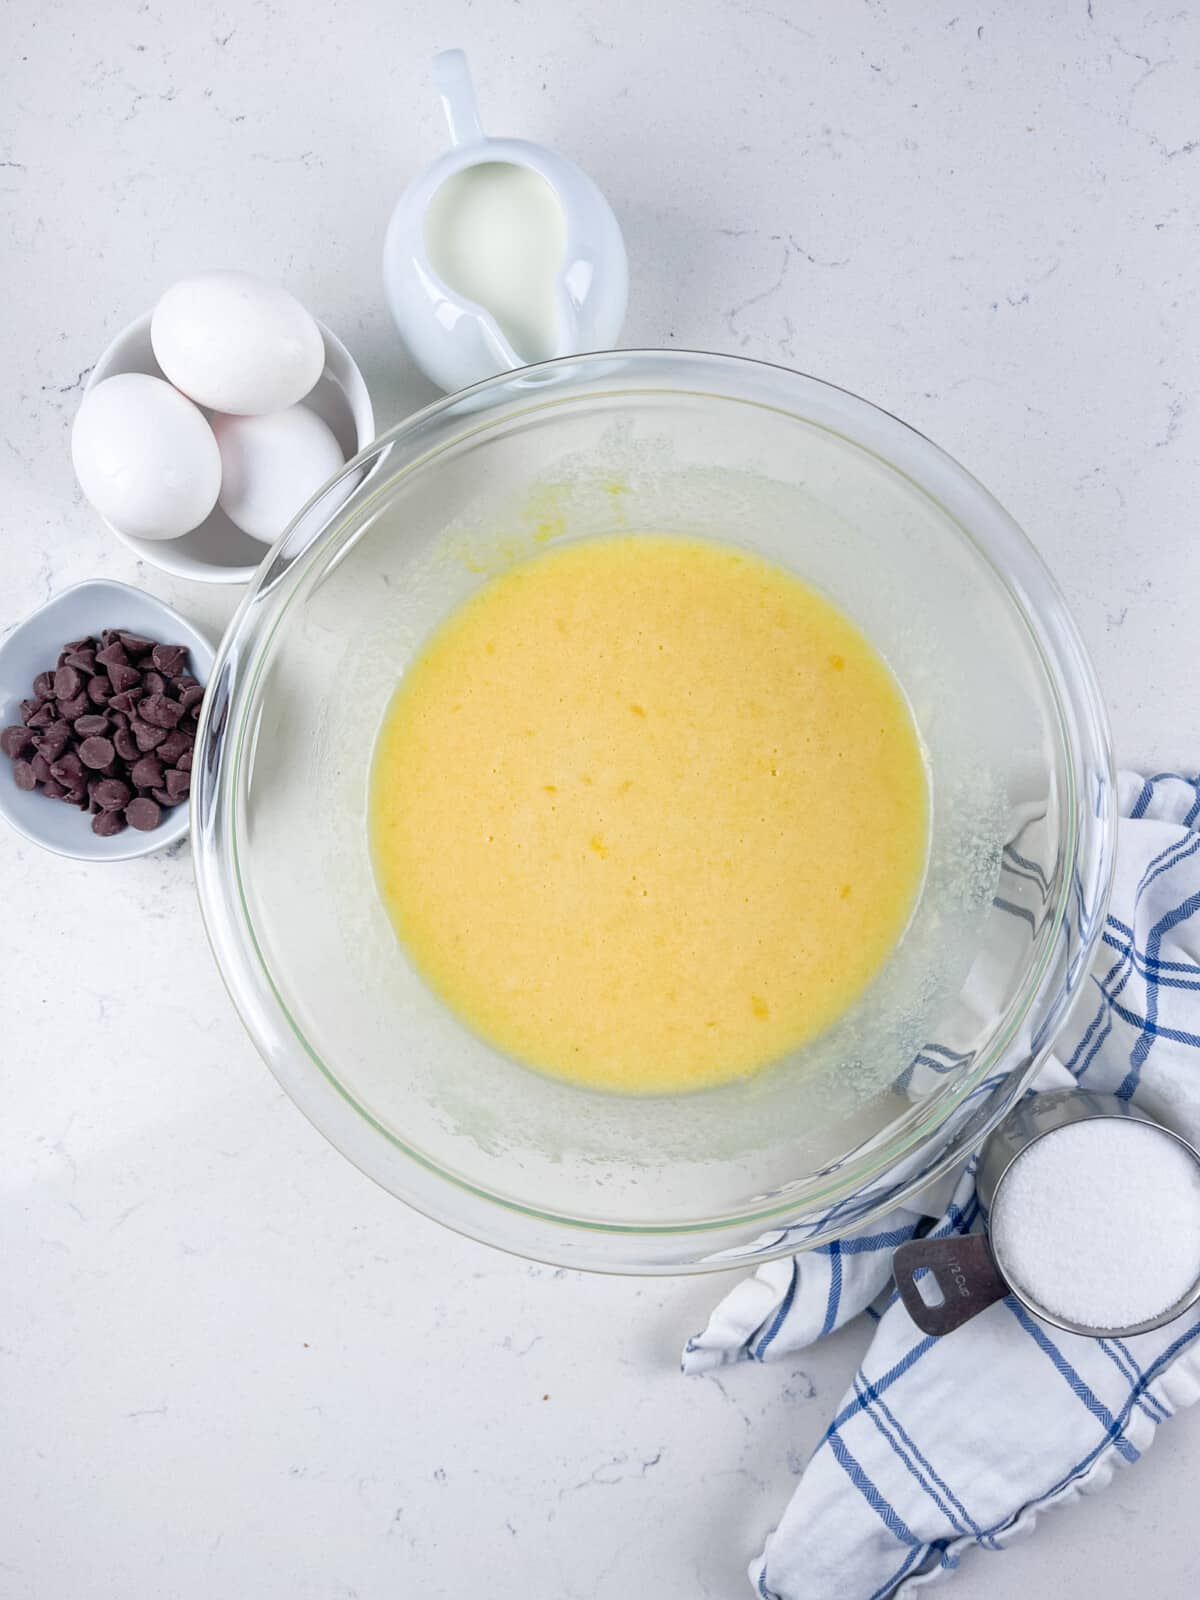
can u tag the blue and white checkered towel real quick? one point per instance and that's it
(943, 1443)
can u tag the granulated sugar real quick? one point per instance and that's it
(1099, 1222)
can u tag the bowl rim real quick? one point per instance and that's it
(130, 844)
(654, 1247)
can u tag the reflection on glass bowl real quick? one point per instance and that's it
(916, 553)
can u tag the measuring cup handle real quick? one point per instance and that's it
(453, 79)
(964, 1271)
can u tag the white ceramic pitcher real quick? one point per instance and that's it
(457, 341)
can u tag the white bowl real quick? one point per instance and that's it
(218, 551)
(33, 647)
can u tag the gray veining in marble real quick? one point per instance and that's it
(228, 1364)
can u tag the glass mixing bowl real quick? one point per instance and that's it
(937, 576)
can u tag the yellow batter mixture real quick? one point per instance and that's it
(648, 812)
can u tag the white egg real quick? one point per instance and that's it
(270, 466)
(145, 457)
(236, 343)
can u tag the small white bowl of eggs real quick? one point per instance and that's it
(211, 421)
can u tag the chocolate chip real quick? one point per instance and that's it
(173, 746)
(159, 711)
(146, 773)
(123, 678)
(148, 738)
(68, 769)
(77, 705)
(54, 739)
(67, 683)
(112, 794)
(142, 814)
(45, 714)
(113, 655)
(169, 658)
(87, 733)
(96, 752)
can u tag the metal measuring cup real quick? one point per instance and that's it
(968, 1272)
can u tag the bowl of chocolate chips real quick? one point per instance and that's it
(100, 695)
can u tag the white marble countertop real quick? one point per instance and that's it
(228, 1363)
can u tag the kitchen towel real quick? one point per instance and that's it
(940, 1444)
